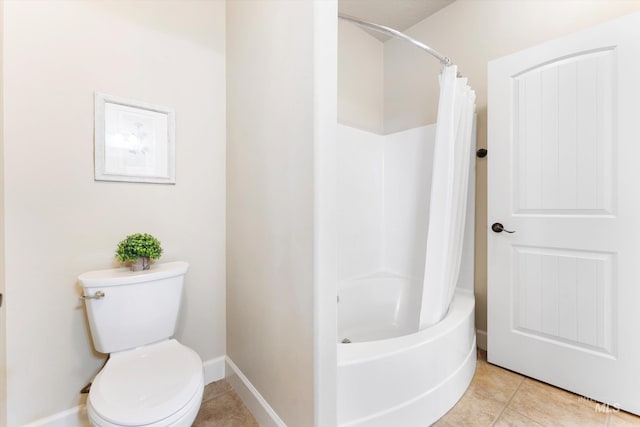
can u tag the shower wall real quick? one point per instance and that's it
(383, 185)
(360, 201)
(408, 161)
(383, 201)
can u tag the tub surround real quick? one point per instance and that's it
(383, 204)
(383, 200)
(496, 397)
(431, 369)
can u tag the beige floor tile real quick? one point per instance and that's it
(511, 418)
(551, 406)
(623, 419)
(226, 410)
(473, 410)
(215, 389)
(494, 382)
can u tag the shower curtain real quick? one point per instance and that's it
(449, 187)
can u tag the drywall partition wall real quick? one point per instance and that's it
(3, 319)
(59, 222)
(271, 79)
(472, 33)
(360, 79)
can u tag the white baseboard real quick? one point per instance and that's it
(77, 417)
(261, 410)
(213, 369)
(481, 337)
(74, 417)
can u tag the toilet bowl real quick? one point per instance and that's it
(156, 385)
(150, 379)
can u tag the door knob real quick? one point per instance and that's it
(499, 228)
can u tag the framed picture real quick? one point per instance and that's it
(134, 141)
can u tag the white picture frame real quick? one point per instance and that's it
(134, 141)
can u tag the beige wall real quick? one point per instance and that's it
(360, 79)
(59, 222)
(472, 33)
(270, 106)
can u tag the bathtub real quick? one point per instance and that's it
(391, 374)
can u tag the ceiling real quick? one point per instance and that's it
(397, 14)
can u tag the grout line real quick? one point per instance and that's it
(529, 418)
(508, 402)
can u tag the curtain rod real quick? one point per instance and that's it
(397, 34)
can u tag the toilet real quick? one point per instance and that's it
(149, 379)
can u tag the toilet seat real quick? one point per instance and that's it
(182, 418)
(156, 384)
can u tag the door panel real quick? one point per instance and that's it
(564, 296)
(564, 136)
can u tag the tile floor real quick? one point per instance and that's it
(496, 398)
(221, 407)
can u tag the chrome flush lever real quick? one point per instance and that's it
(97, 295)
(499, 228)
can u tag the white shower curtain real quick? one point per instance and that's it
(449, 188)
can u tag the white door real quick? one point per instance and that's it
(564, 174)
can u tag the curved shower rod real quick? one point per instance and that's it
(397, 34)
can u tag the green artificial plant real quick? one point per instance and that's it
(139, 245)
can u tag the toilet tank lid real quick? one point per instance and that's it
(124, 276)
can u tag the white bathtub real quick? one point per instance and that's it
(390, 374)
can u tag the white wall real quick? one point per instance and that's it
(270, 195)
(360, 79)
(59, 222)
(473, 33)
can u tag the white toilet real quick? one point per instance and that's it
(150, 379)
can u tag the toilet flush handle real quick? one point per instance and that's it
(97, 295)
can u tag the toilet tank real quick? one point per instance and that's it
(138, 307)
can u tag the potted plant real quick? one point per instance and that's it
(138, 250)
